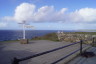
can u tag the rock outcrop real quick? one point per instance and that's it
(74, 37)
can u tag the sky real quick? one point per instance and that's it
(48, 14)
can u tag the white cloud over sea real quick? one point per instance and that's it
(29, 12)
(3, 24)
(84, 15)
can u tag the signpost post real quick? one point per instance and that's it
(23, 29)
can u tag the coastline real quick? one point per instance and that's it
(51, 36)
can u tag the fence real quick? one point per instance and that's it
(16, 61)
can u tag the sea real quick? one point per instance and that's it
(6, 35)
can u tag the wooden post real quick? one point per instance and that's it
(81, 46)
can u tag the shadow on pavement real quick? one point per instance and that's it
(6, 56)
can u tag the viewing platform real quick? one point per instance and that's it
(9, 50)
(85, 60)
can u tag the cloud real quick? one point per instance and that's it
(29, 12)
(44, 13)
(84, 15)
(25, 11)
(2, 24)
(7, 18)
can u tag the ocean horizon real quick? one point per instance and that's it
(6, 35)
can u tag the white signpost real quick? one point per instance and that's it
(25, 26)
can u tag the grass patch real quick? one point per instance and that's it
(51, 36)
(91, 33)
(9, 41)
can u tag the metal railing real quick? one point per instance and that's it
(16, 61)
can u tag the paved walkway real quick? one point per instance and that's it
(83, 60)
(10, 50)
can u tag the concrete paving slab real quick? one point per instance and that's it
(83, 60)
(10, 50)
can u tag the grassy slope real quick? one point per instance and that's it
(53, 36)
(9, 41)
(92, 33)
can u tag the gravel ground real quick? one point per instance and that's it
(10, 50)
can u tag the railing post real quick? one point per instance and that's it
(93, 41)
(15, 61)
(81, 46)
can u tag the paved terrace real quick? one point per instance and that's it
(83, 60)
(15, 49)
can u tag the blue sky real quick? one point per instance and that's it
(48, 14)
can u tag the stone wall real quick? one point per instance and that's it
(73, 37)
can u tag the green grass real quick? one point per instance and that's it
(91, 33)
(9, 41)
(51, 36)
